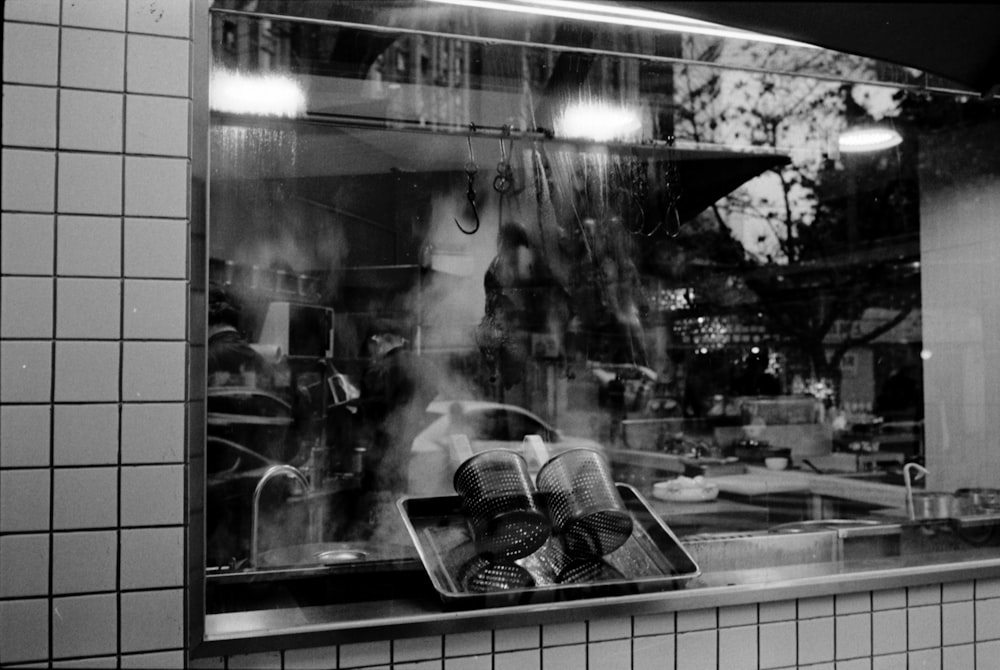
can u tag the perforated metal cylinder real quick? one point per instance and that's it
(481, 575)
(586, 510)
(500, 501)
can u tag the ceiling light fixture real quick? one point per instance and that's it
(867, 138)
(264, 95)
(622, 16)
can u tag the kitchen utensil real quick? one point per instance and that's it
(481, 575)
(977, 500)
(933, 505)
(775, 463)
(585, 508)
(497, 491)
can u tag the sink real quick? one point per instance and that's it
(333, 554)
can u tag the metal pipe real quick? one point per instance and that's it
(269, 474)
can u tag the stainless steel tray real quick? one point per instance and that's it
(651, 560)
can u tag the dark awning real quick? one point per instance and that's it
(957, 41)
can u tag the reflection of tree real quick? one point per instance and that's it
(823, 240)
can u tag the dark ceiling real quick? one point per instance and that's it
(956, 41)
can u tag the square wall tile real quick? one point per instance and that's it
(85, 434)
(84, 561)
(260, 660)
(26, 303)
(738, 648)
(32, 11)
(888, 599)
(25, 371)
(854, 635)
(24, 630)
(815, 640)
(156, 186)
(88, 309)
(365, 653)
(738, 615)
(987, 619)
(655, 652)
(24, 500)
(417, 648)
(700, 619)
(152, 620)
(86, 371)
(987, 588)
(93, 59)
(84, 625)
(25, 432)
(85, 498)
(89, 246)
(889, 662)
(924, 627)
(777, 644)
(153, 371)
(468, 644)
(814, 607)
(609, 654)
(157, 125)
(152, 16)
(27, 244)
(654, 624)
(30, 54)
(156, 248)
(609, 628)
(29, 116)
(571, 632)
(152, 495)
(158, 65)
(782, 610)
(888, 631)
(927, 594)
(90, 120)
(483, 662)
(958, 624)
(572, 657)
(166, 660)
(152, 432)
(28, 179)
(106, 15)
(25, 560)
(311, 658)
(697, 651)
(957, 591)
(152, 557)
(155, 309)
(90, 184)
(853, 603)
(508, 639)
(962, 657)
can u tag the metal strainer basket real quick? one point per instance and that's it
(481, 575)
(583, 503)
(499, 499)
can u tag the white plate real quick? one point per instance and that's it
(701, 493)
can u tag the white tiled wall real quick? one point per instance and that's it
(93, 272)
(93, 263)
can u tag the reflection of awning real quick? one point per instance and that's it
(323, 150)
(957, 41)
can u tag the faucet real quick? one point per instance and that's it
(269, 474)
(909, 486)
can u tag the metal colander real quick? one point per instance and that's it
(480, 575)
(586, 510)
(559, 567)
(500, 502)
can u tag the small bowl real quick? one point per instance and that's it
(776, 462)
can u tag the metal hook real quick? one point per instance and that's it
(470, 192)
(504, 179)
